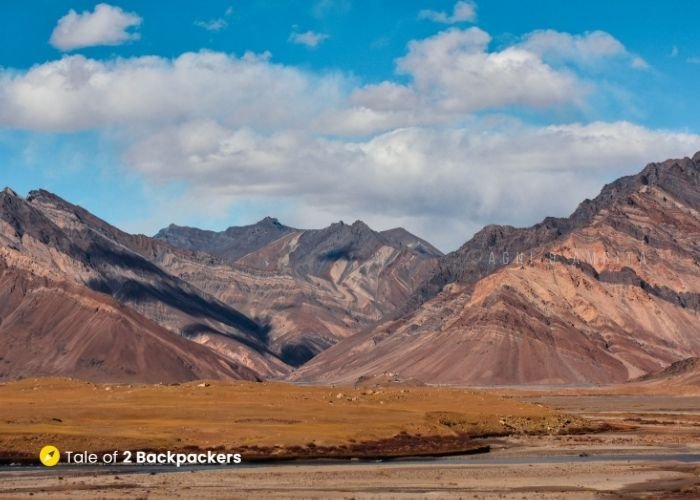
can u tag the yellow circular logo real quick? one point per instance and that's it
(49, 455)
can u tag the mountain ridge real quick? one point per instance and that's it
(68, 244)
(229, 244)
(606, 295)
(315, 286)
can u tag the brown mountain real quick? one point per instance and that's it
(685, 372)
(231, 244)
(46, 236)
(52, 327)
(606, 295)
(313, 287)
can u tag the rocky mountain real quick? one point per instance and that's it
(606, 295)
(313, 287)
(685, 372)
(259, 298)
(231, 244)
(72, 250)
(52, 327)
(496, 245)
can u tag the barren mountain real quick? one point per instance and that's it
(606, 295)
(681, 373)
(609, 294)
(52, 327)
(495, 245)
(66, 244)
(231, 244)
(313, 287)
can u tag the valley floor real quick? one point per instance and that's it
(651, 450)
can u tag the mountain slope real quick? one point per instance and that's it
(73, 246)
(609, 294)
(685, 372)
(51, 327)
(315, 287)
(494, 246)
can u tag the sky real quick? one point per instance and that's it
(438, 116)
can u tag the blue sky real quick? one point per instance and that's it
(439, 116)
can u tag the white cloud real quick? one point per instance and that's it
(322, 9)
(639, 63)
(456, 71)
(426, 179)
(106, 25)
(309, 38)
(461, 12)
(674, 51)
(385, 96)
(216, 24)
(77, 93)
(244, 130)
(451, 74)
(587, 49)
(693, 60)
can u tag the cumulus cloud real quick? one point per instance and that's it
(106, 25)
(455, 69)
(436, 152)
(451, 74)
(309, 38)
(426, 178)
(77, 93)
(461, 12)
(587, 49)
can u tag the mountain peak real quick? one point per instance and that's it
(269, 221)
(400, 237)
(230, 244)
(357, 227)
(35, 194)
(49, 198)
(10, 192)
(358, 224)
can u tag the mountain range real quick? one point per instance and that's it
(606, 295)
